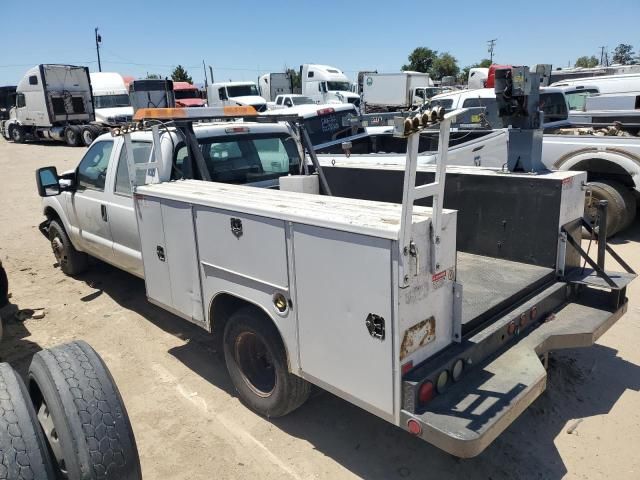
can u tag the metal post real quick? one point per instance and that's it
(602, 232)
(98, 41)
(314, 159)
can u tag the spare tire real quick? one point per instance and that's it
(82, 414)
(23, 449)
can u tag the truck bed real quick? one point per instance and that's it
(491, 284)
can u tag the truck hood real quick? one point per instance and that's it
(118, 114)
(249, 100)
(190, 102)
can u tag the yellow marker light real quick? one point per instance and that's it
(160, 113)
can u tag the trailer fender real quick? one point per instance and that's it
(621, 162)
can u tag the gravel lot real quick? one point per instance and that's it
(189, 424)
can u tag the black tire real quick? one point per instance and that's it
(71, 261)
(72, 135)
(257, 364)
(630, 202)
(23, 449)
(16, 132)
(4, 287)
(82, 414)
(616, 209)
(88, 135)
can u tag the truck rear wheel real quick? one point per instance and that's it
(82, 414)
(616, 209)
(71, 261)
(72, 136)
(630, 203)
(88, 135)
(23, 449)
(257, 364)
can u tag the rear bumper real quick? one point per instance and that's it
(468, 416)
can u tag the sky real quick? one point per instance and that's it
(242, 39)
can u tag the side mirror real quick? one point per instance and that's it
(48, 182)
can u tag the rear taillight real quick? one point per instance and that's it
(414, 427)
(426, 392)
(325, 111)
(406, 368)
(237, 129)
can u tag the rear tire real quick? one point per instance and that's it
(82, 414)
(616, 209)
(88, 135)
(72, 135)
(71, 261)
(257, 364)
(630, 203)
(23, 449)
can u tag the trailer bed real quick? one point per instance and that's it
(491, 284)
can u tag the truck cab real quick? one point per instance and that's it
(187, 95)
(224, 94)
(326, 84)
(110, 98)
(95, 209)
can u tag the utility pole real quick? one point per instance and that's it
(602, 55)
(205, 74)
(492, 45)
(98, 42)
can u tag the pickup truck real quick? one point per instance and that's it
(404, 310)
(289, 100)
(93, 216)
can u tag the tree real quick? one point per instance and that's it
(623, 54)
(444, 65)
(587, 62)
(421, 60)
(179, 74)
(153, 76)
(295, 77)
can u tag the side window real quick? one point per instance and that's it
(287, 102)
(222, 94)
(141, 154)
(279, 101)
(33, 80)
(20, 100)
(92, 171)
(310, 74)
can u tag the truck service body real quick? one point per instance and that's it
(402, 310)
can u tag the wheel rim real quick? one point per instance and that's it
(15, 134)
(58, 250)
(50, 433)
(256, 364)
(87, 136)
(71, 136)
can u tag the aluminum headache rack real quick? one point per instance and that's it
(183, 119)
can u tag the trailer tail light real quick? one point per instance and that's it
(426, 392)
(325, 111)
(442, 381)
(406, 368)
(456, 371)
(237, 130)
(414, 427)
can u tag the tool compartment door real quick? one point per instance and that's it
(341, 278)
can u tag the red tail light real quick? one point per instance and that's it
(407, 367)
(236, 129)
(325, 111)
(414, 427)
(426, 392)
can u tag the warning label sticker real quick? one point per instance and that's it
(438, 279)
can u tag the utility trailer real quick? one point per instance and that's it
(433, 319)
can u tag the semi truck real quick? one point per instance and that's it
(326, 84)
(187, 95)
(430, 325)
(395, 91)
(7, 100)
(222, 94)
(53, 102)
(273, 84)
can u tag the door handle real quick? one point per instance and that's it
(103, 212)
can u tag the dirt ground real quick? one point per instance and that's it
(189, 424)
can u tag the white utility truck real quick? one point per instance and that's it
(53, 102)
(326, 84)
(246, 94)
(273, 84)
(376, 302)
(393, 92)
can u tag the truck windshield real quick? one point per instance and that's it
(182, 94)
(338, 86)
(111, 101)
(302, 101)
(242, 91)
(577, 99)
(246, 158)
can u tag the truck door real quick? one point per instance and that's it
(124, 229)
(88, 203)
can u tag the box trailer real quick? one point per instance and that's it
(395, 91)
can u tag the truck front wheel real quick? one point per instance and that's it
(257, 364)
(16, 133)
(71, 261)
